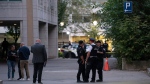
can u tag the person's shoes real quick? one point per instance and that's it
(22, 79)
(18, 78)
(99, 80)
(28, 79)
(79, 81)
(40, 83)
(92, 81)
(9, 78)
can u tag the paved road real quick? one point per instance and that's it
(63, 71)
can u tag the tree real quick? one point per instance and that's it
(129, 32)
(14, 32)
(62, 4)
(79, 9)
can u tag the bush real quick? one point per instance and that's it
(60, 54)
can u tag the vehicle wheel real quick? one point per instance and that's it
(73, 55)
(67, 55)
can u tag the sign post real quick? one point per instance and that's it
(128, 7)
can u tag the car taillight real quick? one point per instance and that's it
(62, 50)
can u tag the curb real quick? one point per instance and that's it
(148, 71)
(1, 82)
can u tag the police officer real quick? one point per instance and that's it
(91, 61)
(100, 53)
(81, 61)
(105, 46)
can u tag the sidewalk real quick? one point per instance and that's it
(63, 71)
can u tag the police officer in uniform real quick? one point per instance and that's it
(105, 46)
(100, 53)
(91, 61)
(81, 61)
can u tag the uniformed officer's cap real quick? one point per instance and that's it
(80, 42)
(92, 39)
(98, 41)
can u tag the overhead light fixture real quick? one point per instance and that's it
(68, 32)
(15, 24)
(95, 22)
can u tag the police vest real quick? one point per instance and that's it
(93, 51)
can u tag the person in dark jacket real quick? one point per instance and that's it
(100, 55)
(11, 61)
(5, 45)
(24, 54)
(39, 60)
(91, 61)
(81, 61)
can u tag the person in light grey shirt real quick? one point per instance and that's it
(39, 60)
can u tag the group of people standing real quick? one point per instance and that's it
(22, 54)
(90, 59)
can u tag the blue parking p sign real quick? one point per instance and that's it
(128, 7)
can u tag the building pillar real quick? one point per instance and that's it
(23, 31)
(43, 34)
(52, 41)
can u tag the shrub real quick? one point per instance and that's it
(60, 54)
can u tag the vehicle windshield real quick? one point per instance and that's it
(65, 46)
(75, 46)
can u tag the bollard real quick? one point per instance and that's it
(1, 82)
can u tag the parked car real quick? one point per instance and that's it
(70, 51)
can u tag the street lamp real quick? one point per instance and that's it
(95, 22)
(62, 24)
(68, 33)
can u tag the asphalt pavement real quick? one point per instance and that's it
(63, 71)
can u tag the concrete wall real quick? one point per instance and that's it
(13, 10)
(47, 11)
(135, 65)
(31, 13)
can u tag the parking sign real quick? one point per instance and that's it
(128, 7)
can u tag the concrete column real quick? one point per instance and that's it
(52, 41)
(23, 31)
(35, 30)
(43, 34)
(30, 22)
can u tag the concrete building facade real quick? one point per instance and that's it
(35, 18)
